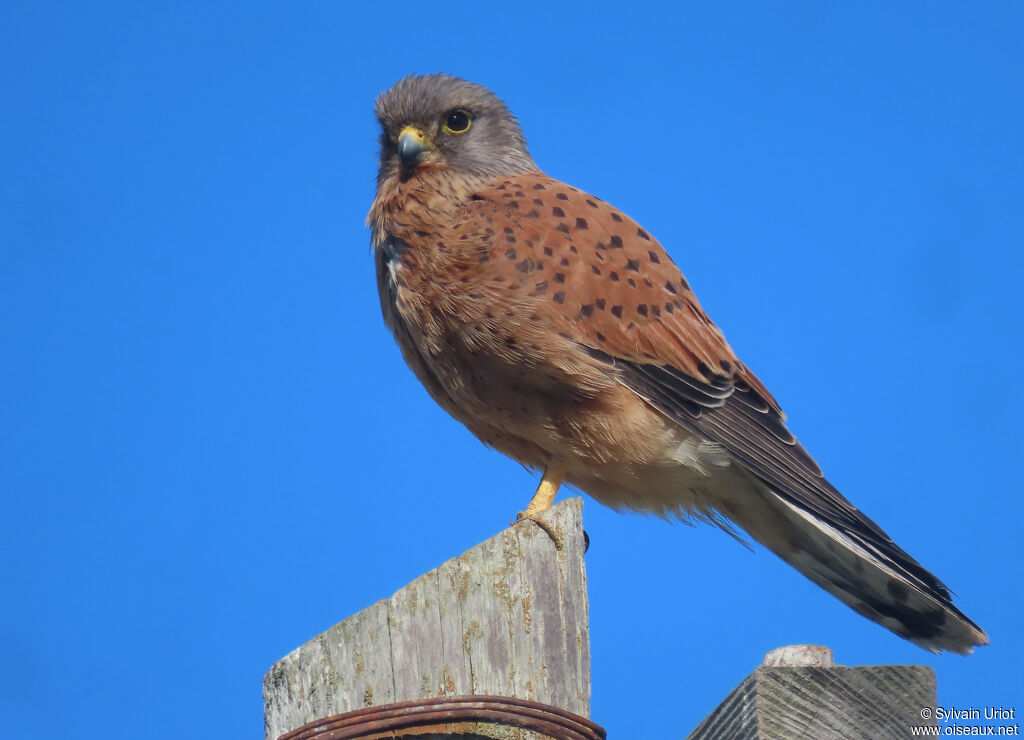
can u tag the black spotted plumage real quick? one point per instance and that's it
(560, 332)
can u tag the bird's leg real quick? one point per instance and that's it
(546, 490)
(542, 498)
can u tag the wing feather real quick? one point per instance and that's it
(623, 300)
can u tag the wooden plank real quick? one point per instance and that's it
(508, 617)
(827, 703)
(334, 672)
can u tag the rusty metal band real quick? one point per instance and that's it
(438, 714)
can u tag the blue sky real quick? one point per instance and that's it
(211, 449)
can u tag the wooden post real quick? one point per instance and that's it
(799, 693)
(507, 618)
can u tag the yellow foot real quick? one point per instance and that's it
(537, 519)
(541, 501)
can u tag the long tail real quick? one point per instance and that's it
(872, 575)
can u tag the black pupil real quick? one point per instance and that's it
(458, 120)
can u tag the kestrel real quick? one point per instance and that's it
(560, 332)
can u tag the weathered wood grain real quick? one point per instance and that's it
(833, 703)
(508, 617)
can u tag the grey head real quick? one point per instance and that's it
(443, 121)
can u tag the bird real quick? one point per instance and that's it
(561, 333)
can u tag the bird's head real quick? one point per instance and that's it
(443, 121)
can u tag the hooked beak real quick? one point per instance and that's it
(411, 148)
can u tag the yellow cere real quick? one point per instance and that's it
(412, 131)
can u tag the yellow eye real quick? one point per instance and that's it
(456, 122)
